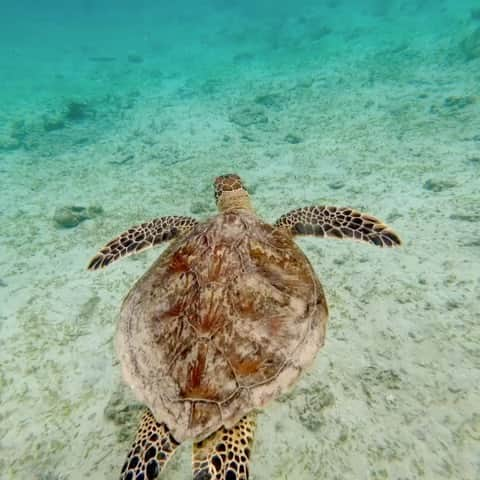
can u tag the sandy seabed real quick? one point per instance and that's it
(394, 394)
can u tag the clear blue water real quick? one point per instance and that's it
(129, 112)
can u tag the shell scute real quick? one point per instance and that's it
(201, 370)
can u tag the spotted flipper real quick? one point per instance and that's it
(225, 454)
(141, 237)
(326, 221)
(151, 450)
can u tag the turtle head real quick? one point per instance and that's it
(230, 193)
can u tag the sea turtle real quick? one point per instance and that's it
(225, 320)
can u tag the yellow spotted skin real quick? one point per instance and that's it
(141, 237)
(225, 454)
(336, 222)
(152, 448)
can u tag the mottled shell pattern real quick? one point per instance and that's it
(224, 321)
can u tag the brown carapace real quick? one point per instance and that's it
(224, 321)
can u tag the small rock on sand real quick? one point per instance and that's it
(71, 216)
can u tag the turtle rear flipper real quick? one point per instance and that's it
(225, 454)
(151, 450)
(337, 222)
(141, 237)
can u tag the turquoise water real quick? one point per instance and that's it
(129, 112)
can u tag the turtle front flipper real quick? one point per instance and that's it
(337, 222)
(151, 450)
(225, 454)
(140, 237)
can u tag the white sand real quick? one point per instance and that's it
(395, 393)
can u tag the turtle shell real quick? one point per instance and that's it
(225, 320)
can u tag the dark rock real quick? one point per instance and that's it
(475, 13)
(470, 45)
(247, 137)
(77, 110)
(126, 159)
(292, 138)
(459, 102)
(81, 141)
(438, 185)
(453, 304)
(472, 243)
(336, 185)
(475, 138)
(135, 58)
(466, 217)
(269, 100)
(248, 116)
